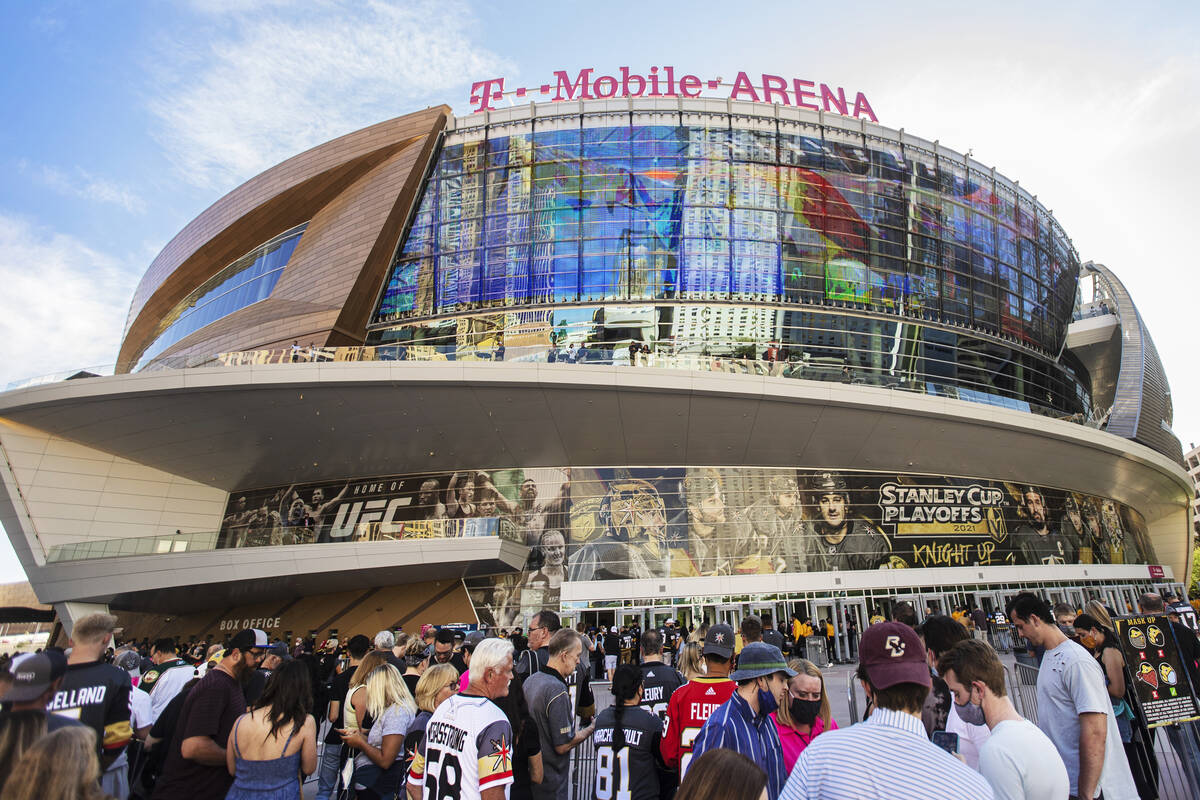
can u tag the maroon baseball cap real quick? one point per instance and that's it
(892, 653)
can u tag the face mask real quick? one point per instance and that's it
(766, 701)
(804, 711)
(970, 713)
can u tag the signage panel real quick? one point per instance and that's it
(1159, 677)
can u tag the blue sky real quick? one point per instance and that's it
(124, 120)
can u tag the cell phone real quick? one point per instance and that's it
(946, 740)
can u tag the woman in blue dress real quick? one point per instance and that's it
(275, 745)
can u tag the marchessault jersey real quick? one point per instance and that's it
(630, 773)
(687, 711)
(659, 682)
(467, 748)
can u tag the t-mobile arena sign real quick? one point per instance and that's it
(664, 82)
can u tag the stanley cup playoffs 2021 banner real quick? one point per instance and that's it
(585, 524)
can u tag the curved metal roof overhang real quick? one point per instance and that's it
(273, 201)
(258, 426)
(184, 582)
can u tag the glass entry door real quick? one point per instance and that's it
(825, 611)
(853, 619)
(730, 615)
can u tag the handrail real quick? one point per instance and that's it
(818, 369)
(275, 536)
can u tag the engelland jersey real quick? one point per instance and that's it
(688, 709)
(97, 694)
(467, 748)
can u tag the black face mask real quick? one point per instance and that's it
(804, 711)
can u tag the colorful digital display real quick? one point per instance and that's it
(674, 522)
(710, 213)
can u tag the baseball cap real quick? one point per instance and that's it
(719, 641)
(758, 659)
(473, 639)
(32, 675)
(892, 653)
(250, 637)
(128, 660)
(280, 649)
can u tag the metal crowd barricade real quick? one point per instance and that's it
(1023, 690)
(852, 697)
(583, 772)
(1176, 747)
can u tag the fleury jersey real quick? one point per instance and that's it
(630, 772)
(97, 694)
(467, 748)
(659, 682)
(688, 709)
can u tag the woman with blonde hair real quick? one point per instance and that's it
(691, 663)
(1096, 610)
(356, 698)
(18, 733)
(806, 713)
(61, 766)
(437, 684)
(380, 765)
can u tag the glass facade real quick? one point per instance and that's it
(244, 282)
(618, 523)
(805, 343)
(718, 208)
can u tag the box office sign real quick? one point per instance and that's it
(1159, 677)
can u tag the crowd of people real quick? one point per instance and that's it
(695, 714)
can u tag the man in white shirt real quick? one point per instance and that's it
(1017, 759)
(1074, 709)
(166, 679)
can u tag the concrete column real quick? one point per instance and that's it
(71, 612)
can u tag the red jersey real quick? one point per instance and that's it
(687, 711)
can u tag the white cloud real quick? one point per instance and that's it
(1108, 149)
(264, 85)
(63, 303)
(82, 184)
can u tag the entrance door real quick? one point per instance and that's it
(851, 610)
(912, 599)
(631, 617)
(1130, 595)
(659, 616)
(936, 603)
(772, 610)
(1075, 597)
(989, 601)
(731, 615)
(825, 610)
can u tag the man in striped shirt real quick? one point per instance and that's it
(888, 755)
(741, 723)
